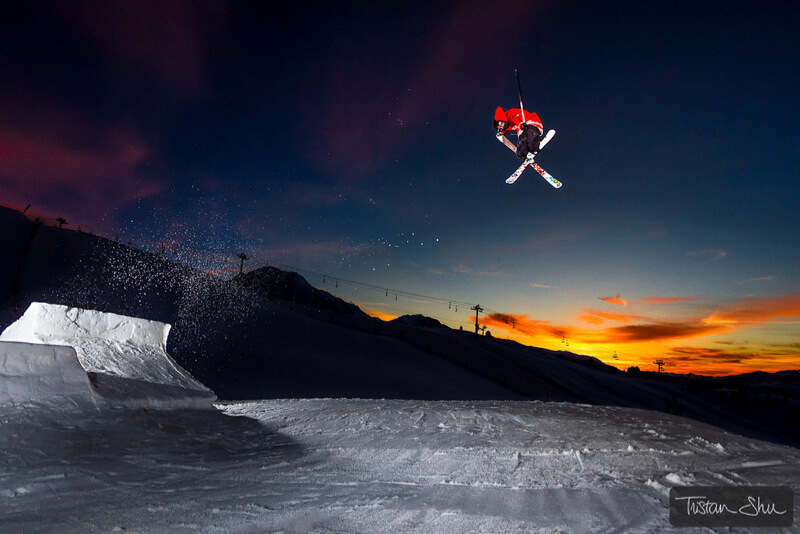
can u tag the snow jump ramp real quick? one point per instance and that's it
(55, 351)
(42, 374)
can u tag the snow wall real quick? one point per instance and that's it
(34, 374)
(125, 357)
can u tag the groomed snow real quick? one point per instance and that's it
(126, 356)
(388, 466)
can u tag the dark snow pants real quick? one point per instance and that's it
(528, 142)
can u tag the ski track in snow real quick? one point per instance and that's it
(336, 465)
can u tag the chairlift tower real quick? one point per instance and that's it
(478, 310)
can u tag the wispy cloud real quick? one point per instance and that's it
(758, 279)
(614, 300)
(82, 172)
(705, 355)
(669, 300)
(462, 268)
(755, 311)
(654, 331)
(524, 324)
(713, 253)
(599, 317)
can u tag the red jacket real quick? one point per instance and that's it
(513, 118)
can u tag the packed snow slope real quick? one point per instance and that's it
(389, 466)
(271, 335)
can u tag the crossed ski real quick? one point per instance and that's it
(529, 162)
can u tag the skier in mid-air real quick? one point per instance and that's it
(530, 138)
(526, 124)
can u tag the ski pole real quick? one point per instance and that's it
(519, 89)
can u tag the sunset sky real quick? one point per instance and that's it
(352, 141)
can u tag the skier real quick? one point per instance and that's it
(529, 131)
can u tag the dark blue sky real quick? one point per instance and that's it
(354, 139)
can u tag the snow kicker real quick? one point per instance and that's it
(124, 358)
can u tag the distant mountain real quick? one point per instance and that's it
(275, 283)
(418, 320)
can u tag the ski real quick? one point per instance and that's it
(548, 136)
(513, 178)
(503, 139)
(538, 168)
(546, 175)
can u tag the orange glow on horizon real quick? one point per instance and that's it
(382, 316)
(641, 344)
(703, 344)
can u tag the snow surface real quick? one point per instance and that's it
(397, 466)
(126, 357)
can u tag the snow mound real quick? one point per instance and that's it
(125, 357)
(42, 373)
(275, 283)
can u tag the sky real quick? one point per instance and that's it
(352, 142)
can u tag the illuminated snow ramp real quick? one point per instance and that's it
(35, 374)
(125, 357)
